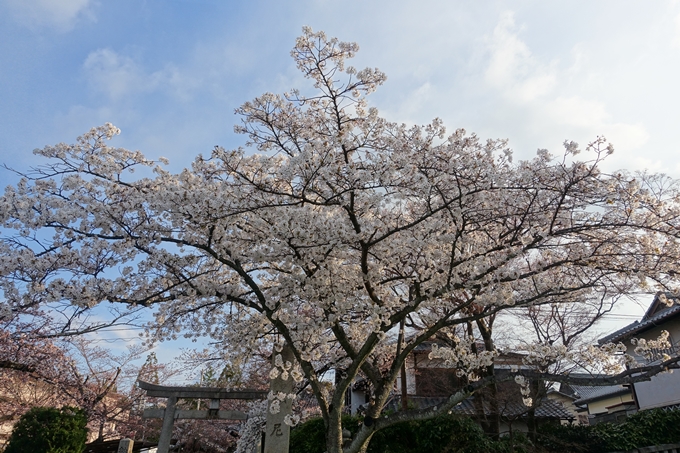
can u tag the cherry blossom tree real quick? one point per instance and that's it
(331, 227)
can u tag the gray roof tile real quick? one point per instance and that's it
(547, 409)
(649, 320)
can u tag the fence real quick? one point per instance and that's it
(665, 448)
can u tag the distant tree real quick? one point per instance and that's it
(98, 383)
(564, 325)
(67, 373)
(44, 362)
(28, 365)
(338, 226)
(49, 430)
(149, 372)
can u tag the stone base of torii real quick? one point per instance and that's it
(277, 432)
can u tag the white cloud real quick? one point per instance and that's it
(118, 76)
(591, 118)
(114, 74)
(676, 38)
(578, 112)
(512, 67)
(412, 104)
(546, 100)
(60, 15)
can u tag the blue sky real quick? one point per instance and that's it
(170, 73)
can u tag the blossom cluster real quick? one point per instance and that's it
(251, 431)
(284, 370)
(650, 348)
(525, 390)
(275, 400)
(608, 358)
(462, 358)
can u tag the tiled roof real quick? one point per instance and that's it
(585, 393)
(414, 402)
(426, 346)
(649, 320)
(547, 408)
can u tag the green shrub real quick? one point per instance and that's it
(308, 437)
(517, 443)
(644, 429)
(617, 437)
(49, 430)
(571, 438)
(654, 427)
(450, 434)
(455, 434)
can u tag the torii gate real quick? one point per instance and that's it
(170, 413)
(276, 439)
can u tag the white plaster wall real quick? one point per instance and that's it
(600, 406)
(358, 399)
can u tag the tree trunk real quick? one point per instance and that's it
(494, 411)
(334, 431)
(531, 424)
(538, 391)
(334, 436)
(493, 421)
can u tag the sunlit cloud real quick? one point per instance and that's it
(539, 92)
(592, 115)
(512, 67)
